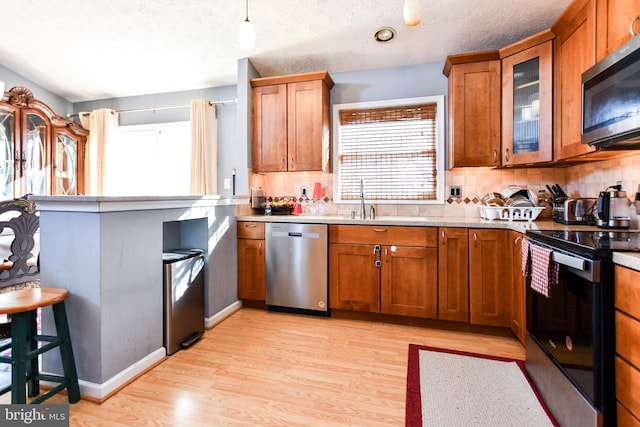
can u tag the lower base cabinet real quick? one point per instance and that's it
(627, 301)
(251, 261)
(390, 269)
(517, 312)
(489, 277)
(453, 274)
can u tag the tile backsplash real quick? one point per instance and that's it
(581, 180)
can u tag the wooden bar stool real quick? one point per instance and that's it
(22, 305)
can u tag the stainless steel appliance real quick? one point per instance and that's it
(297, 267)
(571, 333)
(183, 298)
(613, 208)
(574, 211)
(611, 100)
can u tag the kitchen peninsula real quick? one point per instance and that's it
(107, 251)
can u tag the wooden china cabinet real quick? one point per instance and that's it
(41, 153)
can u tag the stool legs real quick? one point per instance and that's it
(33, 385)
(66, 352)
(20, 344)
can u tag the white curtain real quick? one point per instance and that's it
(102, 125)
(204, 148)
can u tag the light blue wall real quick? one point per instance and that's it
(58, 104)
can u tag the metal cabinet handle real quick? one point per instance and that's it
(380, 230)
(475, 240)
(495, 156)
(506, 155)
(292, 161)
(250, 225)
(633, 21)
(260, 247)
(443, 242)
(515, 242)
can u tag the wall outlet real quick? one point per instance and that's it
(304, 191)
(455, 192)
(227, 184)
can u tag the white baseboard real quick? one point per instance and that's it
(212, 321)
(100, 392)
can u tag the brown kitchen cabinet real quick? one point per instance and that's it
(453, 274)
(43, 153)
(474, 109)
(251, 261)
(386, 269)
(517, 308)
(627, 302)
(489, 277)
(614, 20)
(575, 52)
(527, 101)
(291, 129)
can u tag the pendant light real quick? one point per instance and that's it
(247, 34)
(412, 12)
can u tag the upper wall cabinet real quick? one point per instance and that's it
(527, 101)
(40, 152)
(291, 126)
(615, 21)
(575, 32)
(474, 109)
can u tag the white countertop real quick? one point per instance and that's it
(627, 259)
(130, 203)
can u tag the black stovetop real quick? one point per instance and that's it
(590, 243)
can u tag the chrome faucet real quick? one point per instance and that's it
(363, 215)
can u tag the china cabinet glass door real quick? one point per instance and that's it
(7, 158)
(34, 154)
(66, 165)
(526, 106)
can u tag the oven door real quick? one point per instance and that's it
(564, 324)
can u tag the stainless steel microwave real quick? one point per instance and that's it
(611, 100)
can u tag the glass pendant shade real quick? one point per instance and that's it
(412, 12)
(247, 35)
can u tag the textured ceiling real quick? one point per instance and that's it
(86, 50)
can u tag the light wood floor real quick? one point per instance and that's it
(260, 368)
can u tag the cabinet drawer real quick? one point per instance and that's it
(628, 291)
(627, 386)
(628, 338)
(250, 230)
(384, 235)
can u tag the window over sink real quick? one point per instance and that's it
(395, 147)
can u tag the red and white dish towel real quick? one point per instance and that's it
(544, 271)
(526, 265)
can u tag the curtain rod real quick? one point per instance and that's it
(171, 107)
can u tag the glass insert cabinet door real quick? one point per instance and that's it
(34, 157)
(66, 165)
(7, 147)
(527, 106)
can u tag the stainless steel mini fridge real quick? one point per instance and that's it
(183, 298)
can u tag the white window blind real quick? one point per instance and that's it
(393, 149)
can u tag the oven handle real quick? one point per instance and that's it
(570, 261)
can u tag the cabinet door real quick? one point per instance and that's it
(270, 128)
(409, 285)
(453, 274)
(308, 126)
(251, 270)
(68, 164)
(518, 308)
(474, 114)
(354, 279)
(8, 138)
(575, 53)
(489, 277)
(615, 19)
(527, 106)
(35, 153)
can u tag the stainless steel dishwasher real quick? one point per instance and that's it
(296, 258)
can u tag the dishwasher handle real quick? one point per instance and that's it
(295, 234)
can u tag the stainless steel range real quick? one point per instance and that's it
(571, 333)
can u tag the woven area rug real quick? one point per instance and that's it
(450, 388)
